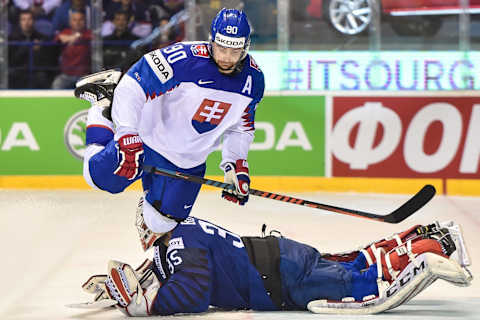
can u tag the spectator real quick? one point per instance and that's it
(26, 58)
(138, 20)
(169, 36)
(75, 55)
(161, 10)
(62, 14)
(42, 11)
(116, 47)
(39, 8)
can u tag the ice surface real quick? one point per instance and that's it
(52, 241)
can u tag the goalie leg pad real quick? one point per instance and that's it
(418, 275)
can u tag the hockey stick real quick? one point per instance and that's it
(407, 209)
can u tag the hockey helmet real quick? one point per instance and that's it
(230, 28)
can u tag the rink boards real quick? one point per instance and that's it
(320, 141)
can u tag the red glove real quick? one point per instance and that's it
(130, 156)
(237, 174)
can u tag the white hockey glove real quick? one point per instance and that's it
(96, 285)
(123, 286)
(237, 174)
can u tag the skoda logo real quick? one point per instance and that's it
(75, 133)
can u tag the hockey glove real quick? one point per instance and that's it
(130, 156)
(123, 286)
(237, 174)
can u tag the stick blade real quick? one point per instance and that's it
(411, 206)
(100, 304)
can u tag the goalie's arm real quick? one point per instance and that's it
(188, 288)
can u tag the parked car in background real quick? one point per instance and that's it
(407, 17)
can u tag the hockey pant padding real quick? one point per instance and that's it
(173, 198)
(306, 276)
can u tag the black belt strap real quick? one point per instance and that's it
(264, 254)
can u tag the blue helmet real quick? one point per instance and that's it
(230, 28)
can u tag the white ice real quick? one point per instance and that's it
(53, 241)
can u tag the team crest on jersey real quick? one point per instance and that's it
(254, 65)
(200, 50)
(209, 115)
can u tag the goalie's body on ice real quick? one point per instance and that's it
(199, 264)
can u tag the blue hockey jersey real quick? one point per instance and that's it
(207, 265)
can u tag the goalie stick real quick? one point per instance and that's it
(404, 211)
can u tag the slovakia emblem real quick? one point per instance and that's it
(200, 50)
(209, 115)
(254, 65)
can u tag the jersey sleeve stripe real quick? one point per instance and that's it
(184, 293)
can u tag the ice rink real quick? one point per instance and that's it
(53, 241)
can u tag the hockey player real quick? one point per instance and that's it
(200, 264)
(173, 108)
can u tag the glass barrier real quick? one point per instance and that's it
(305, 44)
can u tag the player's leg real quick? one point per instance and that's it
(306, 276)
(436, 251)
(168, 200)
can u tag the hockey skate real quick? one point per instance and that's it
(98, 88)
(406, 263)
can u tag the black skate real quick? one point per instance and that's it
(98, 88)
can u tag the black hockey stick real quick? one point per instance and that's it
(407, 209)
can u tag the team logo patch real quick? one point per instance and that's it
(75, 132)
(209, 115)
(175, 244)
(200, 50)
(254, 65)
(159, 65)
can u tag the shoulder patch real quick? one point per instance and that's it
(175, 244)
(200, 50)
(159, 65)
(254, 65)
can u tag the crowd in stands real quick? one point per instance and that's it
(49, 41)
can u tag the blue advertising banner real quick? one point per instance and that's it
(363, 70)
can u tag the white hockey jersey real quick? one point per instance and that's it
(181, 105)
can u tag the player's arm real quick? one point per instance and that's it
(236, 143)
(188, 288)
(147, 79)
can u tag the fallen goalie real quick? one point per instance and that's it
(199, 264)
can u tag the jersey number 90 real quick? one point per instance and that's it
(175, 53)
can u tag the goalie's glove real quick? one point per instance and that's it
(96, 285)
(237, 174)
(130, 156)
(123, 286)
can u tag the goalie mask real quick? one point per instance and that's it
(229, 39)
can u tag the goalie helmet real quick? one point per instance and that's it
(231, 29)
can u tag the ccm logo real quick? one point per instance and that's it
(405, 279)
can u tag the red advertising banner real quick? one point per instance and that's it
(410, 137)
